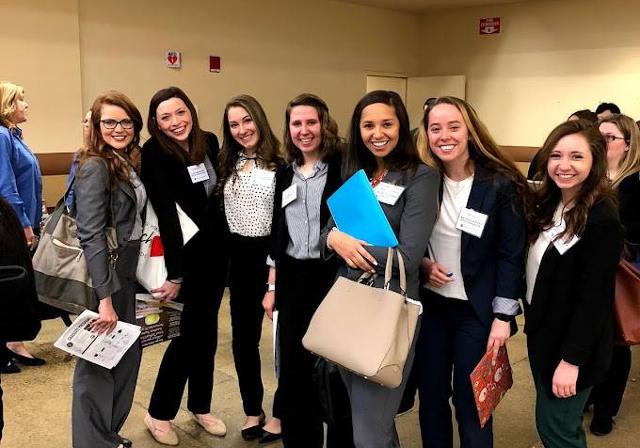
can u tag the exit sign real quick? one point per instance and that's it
(490, 25)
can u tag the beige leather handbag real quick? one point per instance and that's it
(364, 329)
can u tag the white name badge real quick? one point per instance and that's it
(289, 195)
(471, 222)
(560, 244)
(264, 178)
(388, 193)
(198, 173)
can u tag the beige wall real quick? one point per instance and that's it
(39, 43)
(552, 58)
(273, 50)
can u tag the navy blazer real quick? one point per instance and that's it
(570, 316)
(493, 265)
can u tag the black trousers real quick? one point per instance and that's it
(451, 343)
(607, 396)
(300, 287)
(190, 356)
(247, 285)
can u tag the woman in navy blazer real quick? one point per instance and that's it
(576, 242)
(473, 271)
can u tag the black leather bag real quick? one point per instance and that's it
(18, 301)
(333, 397)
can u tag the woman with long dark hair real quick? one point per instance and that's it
(380, 143)
(180, 166)
(249, 158)
(575, 245)
(109, 195)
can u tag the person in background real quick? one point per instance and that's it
(248, 161)
(86, 127)
(196, 271)
(473, 275)
(21, 186)
(583, 114)
(18, 298)
(313, 150)
(575, 245)
(605, 109)
(623, 169)
(109, 194)
(380, 143)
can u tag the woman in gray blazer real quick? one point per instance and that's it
(109, 196)
(380, 143)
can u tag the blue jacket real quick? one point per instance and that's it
(20, 177)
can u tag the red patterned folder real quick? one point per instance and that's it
(490, 381)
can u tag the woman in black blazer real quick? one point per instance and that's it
(623, 166)
(312, 148)
(179, 167)
(576, 241)
(473, 274)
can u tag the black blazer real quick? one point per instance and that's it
(167, 182)
(629, 200)
(493, 265)
(284, 178)
(570, 316)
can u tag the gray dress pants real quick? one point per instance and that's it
(102, 398)
(374, 407)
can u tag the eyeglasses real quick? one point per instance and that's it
(127, 123)
(612, 138)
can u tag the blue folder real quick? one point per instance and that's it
(357, 212)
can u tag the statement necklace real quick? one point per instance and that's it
(375, 180)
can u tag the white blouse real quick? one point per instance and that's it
(445, 244)
(248, 199)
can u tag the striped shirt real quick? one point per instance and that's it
(303, 214)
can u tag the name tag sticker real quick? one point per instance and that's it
(388, 193)
(289, 195)
(263, 178)
(560, 244)
(198, 173)
(471, 222)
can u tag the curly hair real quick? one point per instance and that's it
(97, 147)
(548, 195)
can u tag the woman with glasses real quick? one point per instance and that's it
(248, 160)
(181, 152)
(21, 186)
(623, 169)
(109, 196)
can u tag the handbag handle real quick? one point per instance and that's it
(389, 269)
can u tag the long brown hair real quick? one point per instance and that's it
(482, 147)
(267, 148)
(97, 147)
(196, 140)
(330, 140)
(547, 195)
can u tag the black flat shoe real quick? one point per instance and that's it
(254, 432)
(9, 368)
(26, 361)
(601, 427)
(268, 437)
(126, 443)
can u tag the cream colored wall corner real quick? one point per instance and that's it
(273, 50)
(39, 43)
(552, 58)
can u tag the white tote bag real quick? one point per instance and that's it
(152, 271)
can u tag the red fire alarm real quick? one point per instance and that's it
(214, 64)
(490, 25)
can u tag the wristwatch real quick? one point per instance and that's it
(271, 287)
(503, 317)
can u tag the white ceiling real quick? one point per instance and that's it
(419, 6)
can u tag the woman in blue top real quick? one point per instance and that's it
(20, 185)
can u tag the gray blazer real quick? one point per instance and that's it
(412, 219)
(99, 206)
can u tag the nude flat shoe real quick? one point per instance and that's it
(163, 436)
(213, 426)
